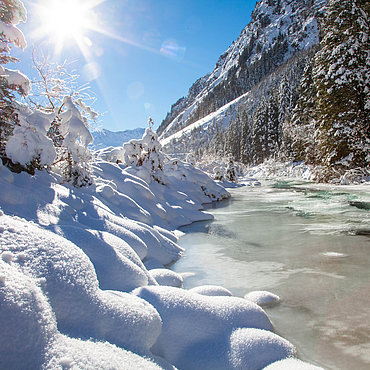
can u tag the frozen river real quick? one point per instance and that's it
(310, 245)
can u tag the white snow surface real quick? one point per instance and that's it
(211, 290)
(13, 34)
(16, 79)
(29, 140)
(263, 298)
(292, 364)
(75, 291)
(166, 277)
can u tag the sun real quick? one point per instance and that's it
(62, 21)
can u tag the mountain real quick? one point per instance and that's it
(294, 85)
(105, 138)
(278, 30)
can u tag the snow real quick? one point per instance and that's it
(17, 80)
(38, 343)
(300, 30)
(29, 140)
(25, 311)
(211, 290)
(192, 322)
(13, 34)
(82, 276)
(255, 348)
(74, 127)
(292, 364)
(166, 277)
(263, 298)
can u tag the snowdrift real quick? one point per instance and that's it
(83, 282)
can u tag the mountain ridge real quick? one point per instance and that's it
(105, 138)
(274, 31)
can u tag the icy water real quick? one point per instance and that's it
(308, 244)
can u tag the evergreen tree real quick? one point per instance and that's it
(11, 13)
(246, 133)
(341, 77)
(300, 130)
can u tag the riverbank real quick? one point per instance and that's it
(305, 242)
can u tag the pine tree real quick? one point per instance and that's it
(246, 138)
(299, 131)
(341, 77)
(11, 13)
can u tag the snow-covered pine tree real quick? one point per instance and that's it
(233, 139)
(146, 156)
(246, 137)
(12, 12)
(342, 79)
(231, 172)
(265, 136)
(300, 131)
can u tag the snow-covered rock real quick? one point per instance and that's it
(263, 298)
(292, 364)
(255, 348)
(166, 277)
(211, 290)
(197, 329)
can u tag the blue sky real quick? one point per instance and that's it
(158, 49)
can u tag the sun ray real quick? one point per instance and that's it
(63, 21)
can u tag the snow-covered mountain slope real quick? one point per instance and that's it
(278, 31)
(105, 138)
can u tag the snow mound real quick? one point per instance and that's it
(263, 298)
(69, 280)
(292, 364)
(211, 290)
(117, 266)
(255, 348)
(152, 264)
(189, 179)
(30, 339)
(196, 329)
(26, 320)
(166, 277)
(77, 354)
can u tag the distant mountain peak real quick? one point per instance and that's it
(105, 138)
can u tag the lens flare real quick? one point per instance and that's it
(171, 48)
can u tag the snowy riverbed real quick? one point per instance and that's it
(307, 243)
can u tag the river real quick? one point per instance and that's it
(307, 243)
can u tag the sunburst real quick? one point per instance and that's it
(62, 21)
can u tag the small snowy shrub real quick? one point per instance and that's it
(146, 156)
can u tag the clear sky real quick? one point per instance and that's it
(139, 55)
